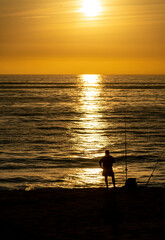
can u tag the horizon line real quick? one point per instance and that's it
(82, 74)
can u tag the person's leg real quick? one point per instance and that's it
(113, 180)
(106, 181)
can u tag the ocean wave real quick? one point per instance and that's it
(51, 163)
(31, 179)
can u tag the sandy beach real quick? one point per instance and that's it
(83, 214)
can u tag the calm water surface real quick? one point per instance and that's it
(54, 129)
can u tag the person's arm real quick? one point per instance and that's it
(100, 163)
(113, 160)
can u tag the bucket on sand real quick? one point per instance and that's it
(131, 183)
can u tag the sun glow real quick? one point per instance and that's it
(91, 8)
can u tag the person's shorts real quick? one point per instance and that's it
(108, 172)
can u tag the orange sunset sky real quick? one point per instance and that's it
(80, 36)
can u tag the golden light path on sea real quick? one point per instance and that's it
(92, 119)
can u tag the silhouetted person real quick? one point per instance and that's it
(106, 163)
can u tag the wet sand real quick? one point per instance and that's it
(83, 214)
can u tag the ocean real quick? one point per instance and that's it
(55, 129)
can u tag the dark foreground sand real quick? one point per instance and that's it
(83, 214)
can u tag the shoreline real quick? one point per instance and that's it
(87, 213)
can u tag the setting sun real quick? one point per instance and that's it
(91, 8)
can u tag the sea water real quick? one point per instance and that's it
(55, 129)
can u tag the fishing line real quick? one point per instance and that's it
(155, 167)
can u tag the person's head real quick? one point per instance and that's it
(106, 152)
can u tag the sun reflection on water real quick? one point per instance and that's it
(91, 120)
(88, 177)
(91, 79)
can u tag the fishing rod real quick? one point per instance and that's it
(126, 169)
(155, 167)
(130, 183)
(158, 158)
